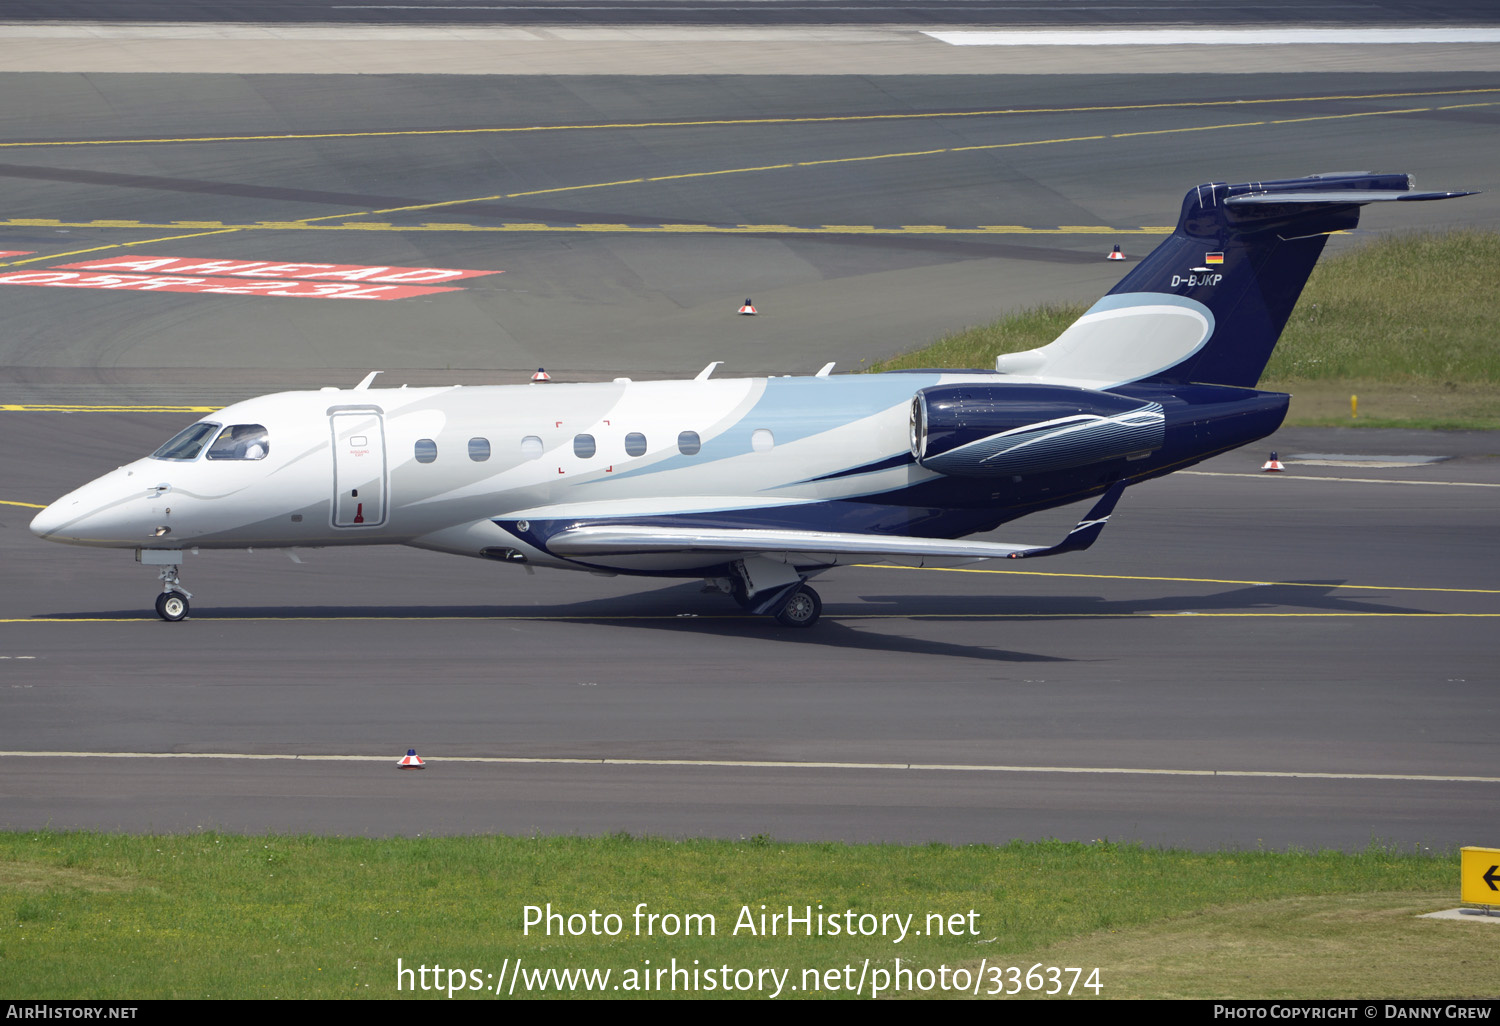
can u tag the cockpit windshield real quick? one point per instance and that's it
(241, 442)
(187, 443)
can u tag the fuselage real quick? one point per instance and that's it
(436, 467)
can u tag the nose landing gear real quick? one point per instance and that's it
(172, 603)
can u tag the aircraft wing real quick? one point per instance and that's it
(585, 541)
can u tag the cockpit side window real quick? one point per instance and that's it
(187, 443)
(241, 442)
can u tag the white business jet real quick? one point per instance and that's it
(758, 484)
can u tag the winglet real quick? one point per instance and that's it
(1088, 529)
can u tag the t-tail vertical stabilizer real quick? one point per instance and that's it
(1209, 303)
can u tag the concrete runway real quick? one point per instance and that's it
(1245, 624)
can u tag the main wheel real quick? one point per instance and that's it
(803, 610)
(171, 606)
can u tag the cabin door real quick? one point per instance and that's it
(359, 472)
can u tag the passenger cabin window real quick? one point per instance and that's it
(531, 447)
(241, 442)
(479, 449)
(187, 443)
(426, 450)
(688, 443)
(583, 446)
(635, 444)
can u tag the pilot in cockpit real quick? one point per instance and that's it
(241, 442)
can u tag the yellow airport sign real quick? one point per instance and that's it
(1479, 876)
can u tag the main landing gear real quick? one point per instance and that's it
(772, 589)
(172, 603)
(802, 609)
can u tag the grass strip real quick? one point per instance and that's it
(1406, 323)
(89, 915)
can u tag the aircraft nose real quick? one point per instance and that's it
(47, 521)
(89, 515)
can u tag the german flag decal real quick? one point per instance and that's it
(1213, 258)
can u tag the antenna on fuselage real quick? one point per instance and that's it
(368, 378)
(706, 371)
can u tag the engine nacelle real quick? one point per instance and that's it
(990, 430)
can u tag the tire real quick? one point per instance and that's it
(802, 610)
(171, 606)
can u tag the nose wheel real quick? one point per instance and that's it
(171, 606)
(172, 603)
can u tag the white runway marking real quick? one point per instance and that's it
(769, 764)
(1217, 37)
(1347, 480)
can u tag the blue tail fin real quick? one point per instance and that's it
(1209, 303)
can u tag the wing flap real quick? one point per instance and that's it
(826, 548)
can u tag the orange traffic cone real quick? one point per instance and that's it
(411, 760)
(748, 308)
(1115, 254)
(1273, 464)
(541, 375)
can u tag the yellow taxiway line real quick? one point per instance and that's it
(303, 223)
(741, 122)
(1197, 580)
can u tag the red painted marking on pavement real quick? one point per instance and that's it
(218, 286)
(271, 269)
(15, 252)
